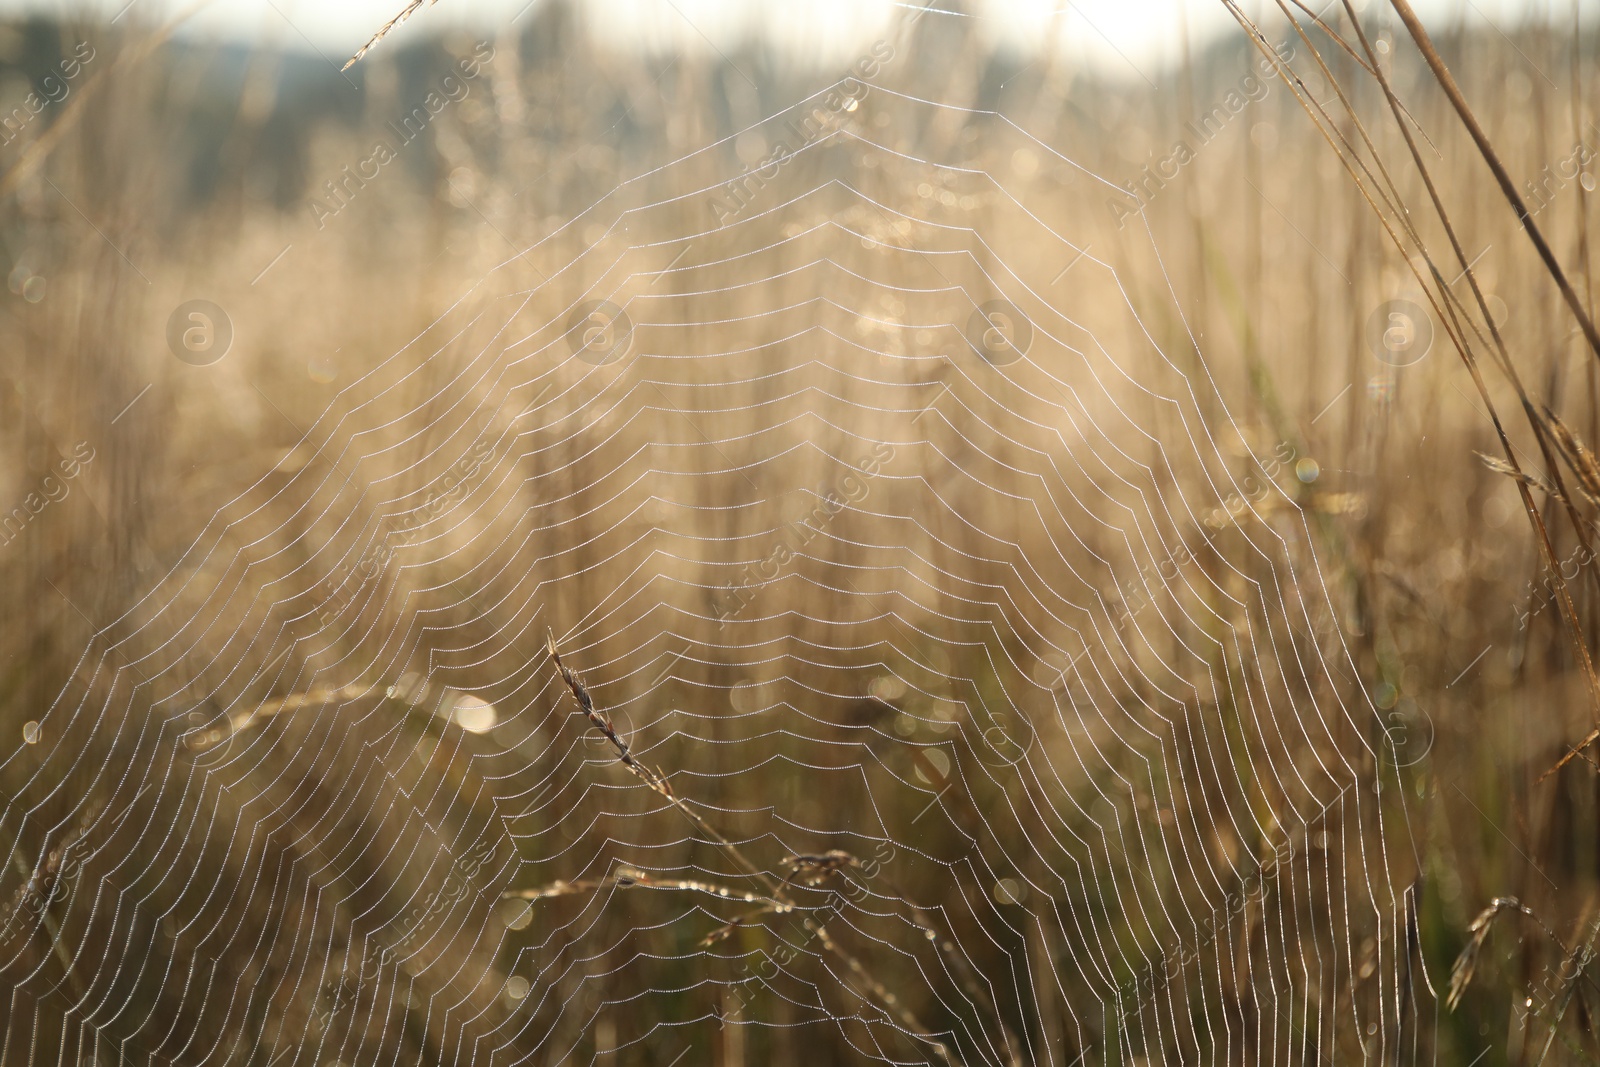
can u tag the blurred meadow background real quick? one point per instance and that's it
(1152, 671)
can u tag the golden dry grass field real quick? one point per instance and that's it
(1050, 567)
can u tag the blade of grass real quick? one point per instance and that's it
(1447, 81)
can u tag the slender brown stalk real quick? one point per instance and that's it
(1540, 429)
(1445, 304)
(1447, 81)
(1320, 24)
(658, 782)
(386, 29)
(630, 877)
(650, 777)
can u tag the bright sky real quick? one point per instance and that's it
(1117, 34)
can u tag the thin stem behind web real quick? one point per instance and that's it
(1447, 82)
(386, 29)
(877, 991)
(651, 777)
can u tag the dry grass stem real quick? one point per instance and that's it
(387, 28)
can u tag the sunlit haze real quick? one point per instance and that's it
(1132, 38)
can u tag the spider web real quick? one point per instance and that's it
(856, 486)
